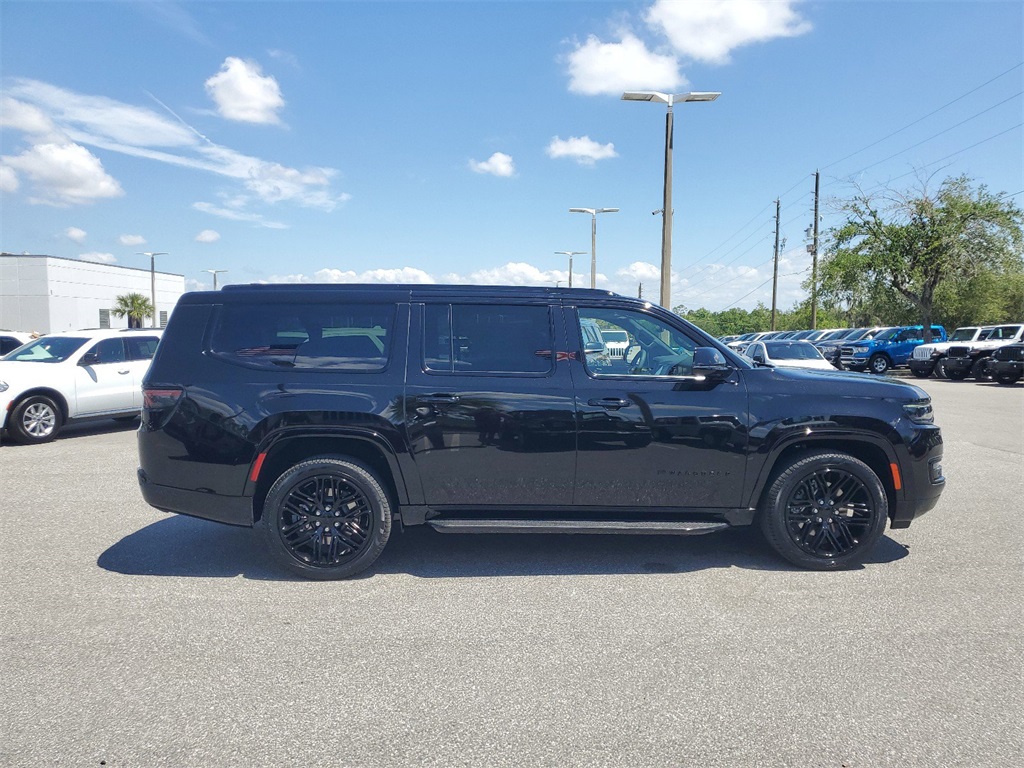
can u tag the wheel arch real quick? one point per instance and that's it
(875, 453)
(290, 449)
(52, 394)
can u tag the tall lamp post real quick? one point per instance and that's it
(666, 208)
(593, 237)
(152, 277)
(570, 254)
(215, 272)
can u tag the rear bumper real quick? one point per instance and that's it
(233, 510)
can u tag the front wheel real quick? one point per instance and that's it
(920, 373)
(1007, 378)
(825, 512)
(879, 364)
(940, 369)
(35, 419)
(978, 371)
(327, 518)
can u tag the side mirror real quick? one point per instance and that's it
(759, 358)
(710, 363)
(593, 346)
(89, 358)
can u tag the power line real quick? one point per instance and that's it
(762, 285)
(947, 130)
(920, 119)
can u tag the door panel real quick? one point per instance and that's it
(650, 433)
(108, 384)
(489, 406)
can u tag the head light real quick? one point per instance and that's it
(920, 411)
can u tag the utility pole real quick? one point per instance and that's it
(814, 258)
(775, 278)
(640, 291)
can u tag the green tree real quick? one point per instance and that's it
(135, 306)
(898, 245)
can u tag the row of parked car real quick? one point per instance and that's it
(984, 353)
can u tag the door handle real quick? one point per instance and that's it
(440, 399)
(611, 403)
(125, 372)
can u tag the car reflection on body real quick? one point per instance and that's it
(788, 354)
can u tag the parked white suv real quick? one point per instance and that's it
(931, 358)
(70, 376)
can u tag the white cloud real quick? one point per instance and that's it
(709, 30)
(243, 93)
(131, 240)
(99, 258)
(27, 119)
(236, 215)
(611, 68)
(75, 234)
(64, 174)
(583, 149)
(288, 58)
(140, 132)
(498, 164)
(8, 179)
(208, 236)
(400, 275)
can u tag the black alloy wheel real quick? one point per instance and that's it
(979, 372)
(35, 419)
(940, 369)
(327, 518)
(825, 511)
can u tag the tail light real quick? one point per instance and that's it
(157, 404)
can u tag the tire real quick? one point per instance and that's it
(940, 369)
(978, 370)
(879, 364)
(1007, 378)
(305, 537)
(803, 522)
(920, 374)
(35, 419)
(956, 375)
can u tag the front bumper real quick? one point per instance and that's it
(921, 476)
(1007, 368)
(854, 363)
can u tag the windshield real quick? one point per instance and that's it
(963, 334)
(784, 351)
(49, 349)
(886, 334)
(840, 334)
(615, 336)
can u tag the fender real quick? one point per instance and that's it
(825, 436)
(281, 438)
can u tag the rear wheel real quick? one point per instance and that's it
(825, 511)
(327, 518)
(35, 419)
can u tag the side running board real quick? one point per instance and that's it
(463, 525)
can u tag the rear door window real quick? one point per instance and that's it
(337, 337)
(487, 338)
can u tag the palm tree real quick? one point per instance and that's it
(136, 306)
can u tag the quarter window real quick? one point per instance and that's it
(487, 338)
(353, 337)
(141, 348)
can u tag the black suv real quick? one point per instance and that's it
(329, 415)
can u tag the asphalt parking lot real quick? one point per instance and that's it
(134, 638)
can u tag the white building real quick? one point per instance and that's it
(52, 293)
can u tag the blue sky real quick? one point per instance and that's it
(436, 141)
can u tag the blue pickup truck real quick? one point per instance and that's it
(889, 348)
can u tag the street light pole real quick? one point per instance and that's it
(215, 272)
(593, 237)
(570, 254)
(666, 208)
(152, 277)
